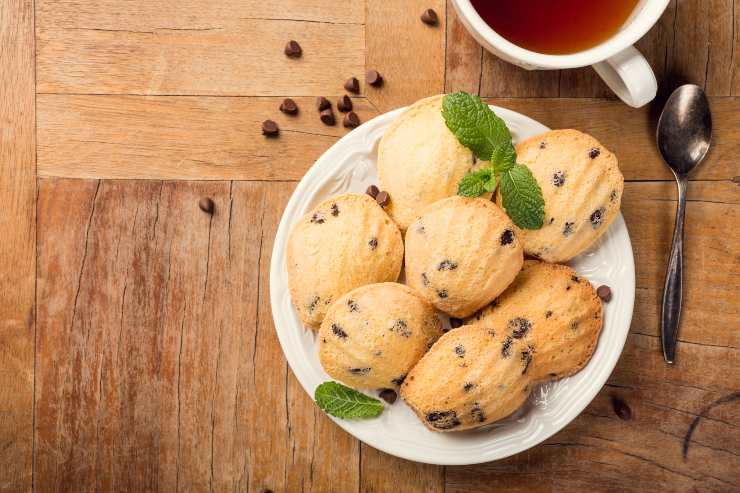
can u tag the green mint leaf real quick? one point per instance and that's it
(474, 124)
(477, 183)
(343, 402)
(522, 197)
(503, 157)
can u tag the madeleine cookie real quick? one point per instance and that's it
(582, 187)
(461, 254)
(420, 161)
(555, 311)
(471, 377)
(372, 336)
(344, 243)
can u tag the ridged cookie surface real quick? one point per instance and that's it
(420, 161)
(555, 311)
(582, 187)
(344, 243)
(462, 253)
(471, 377)
(372, 336)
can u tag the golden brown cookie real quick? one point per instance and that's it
(372, 336)
(344, 243)
(462, 253)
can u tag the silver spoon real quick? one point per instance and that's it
(684, 134)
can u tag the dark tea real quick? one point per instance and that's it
(556, 27)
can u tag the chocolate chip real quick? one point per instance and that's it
(527, 358)
(360, 371)
(506, 347)
(374, 78)
(270, 128)
(543, 144)
(373, 243)
(338, 331)
(424, 279)
(455, 323)
(558, 179)
(548, 314)
(443, 420)
(594, 153)
(206, 205)
(388, 395)
(575, 278)
(352, 85)
(265, 490)
(613, 196)
(344, 104)
(442, 293)
(596, 217)
(605, 293)
(399, 380)
(568, 228)
(334, 210)
(402, 328)
(383, 198)
(573, 325)
(447, 265)
(293, 49)
(352, 305)
(552, 220)
(312, 304)
(322, 103)
(351, 120)
(468, 387)
(429, 17)
(288, 106)
(507, 237)
(460, 351)
(477, 413)
(327, 117)
(318, 218)
(519, 327)
(372, 191)
(621, 409)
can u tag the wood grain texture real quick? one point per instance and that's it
(158, 364)
(409, 54)
(464, 56)
(17, 259)
(204, 138)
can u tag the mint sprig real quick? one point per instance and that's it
(343, 402)
(478, 128)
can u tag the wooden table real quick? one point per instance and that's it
(137, 350)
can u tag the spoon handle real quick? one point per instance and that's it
(673, 290)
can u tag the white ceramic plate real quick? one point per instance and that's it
(349, 165)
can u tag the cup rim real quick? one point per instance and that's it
(652, 11)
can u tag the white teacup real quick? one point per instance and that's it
(621, 66)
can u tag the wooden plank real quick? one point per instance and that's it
(598, 451)
(382, 472)
(244, 59)
(502, 79)
(464, 57)
(204, 138)
(158, 363)
(17, 250)
(409, 54)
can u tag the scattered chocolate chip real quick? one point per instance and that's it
(596, 217)
(613, 196)
(605, 293)
(568, 228)
(506, 347)
(443, 420)
(573, 325)
(374, 78)
(447, 265)
(360, 371)
(388, 395)
(327, 117)
(270, 128)
(351, 120)
(507, 237)
(621, 409)
(265, 490)
(344, 104)
(527, 358)
(424, 279)
(293, 49)
(322, 103)
(206, 205)
(288, 106)
(429, 17)
(460, 351)
(352, 85)
(477, 413)
(373, 243)
(399, 380)
(352, 305)
(402, 328)
(468, 387)
(383, 199)
(312, 304)
(543, 144)
(575, 278)
(548, 314)
(455, 323)
(338, 331)
(318, 218)
(552, 220)
(519, 327)
(558, 179)
(594, 153)
(334, 210)
(552, 374)
(442, 293)
(372, 191)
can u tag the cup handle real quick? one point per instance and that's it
(629, 75)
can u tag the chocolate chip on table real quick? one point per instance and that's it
(429, 17)
(207, 205)
(327, 117)
(372, 191)
(293, 49)
(344, 104)
(289, 107)
(455, 323)
(605, 293)
(351, 120)
(322, 103)
(352, 85)
(270, 128)
(265, 490)
(621, 409)
(373, 78)
(383, 199)
(388, 395)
